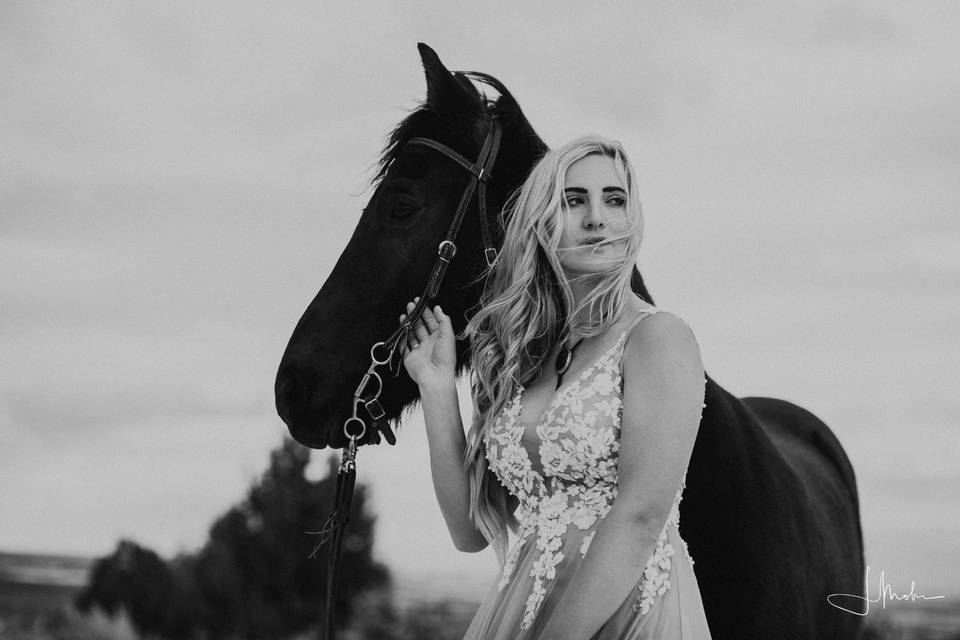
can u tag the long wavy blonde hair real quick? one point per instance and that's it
(528, 309)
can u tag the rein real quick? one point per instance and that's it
(367, 394)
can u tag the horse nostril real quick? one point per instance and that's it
(291, 396)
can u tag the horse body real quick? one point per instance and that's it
(772, 524)
(770, 510)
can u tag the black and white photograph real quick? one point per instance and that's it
(496, 321)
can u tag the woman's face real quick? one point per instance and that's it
(595, 208)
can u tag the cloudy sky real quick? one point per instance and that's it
(177, 181)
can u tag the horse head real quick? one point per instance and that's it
(390, 256)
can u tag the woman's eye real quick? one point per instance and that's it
(574, 201)
(617, 202)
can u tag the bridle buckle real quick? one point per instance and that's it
(447, 250)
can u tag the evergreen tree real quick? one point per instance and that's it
(253, 578)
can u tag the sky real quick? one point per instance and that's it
(177, 180)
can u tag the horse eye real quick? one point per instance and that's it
(402, 209)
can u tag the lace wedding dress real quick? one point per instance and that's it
(560, 507)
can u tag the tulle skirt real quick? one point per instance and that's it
(666, 607)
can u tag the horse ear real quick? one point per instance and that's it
(512, 115)
(444, 92)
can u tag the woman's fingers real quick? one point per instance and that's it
(420, 330)
(429, 323)
(445, 324)
(430, 320)
(413, 336)
(412, 341)
(403, 317)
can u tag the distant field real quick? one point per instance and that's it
(35, 590)
(39, 588)
(23, 598)
(44, 569)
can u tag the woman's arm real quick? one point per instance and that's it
(441, 413)
(662, 401)
(432, 365)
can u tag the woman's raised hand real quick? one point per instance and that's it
(429, 352)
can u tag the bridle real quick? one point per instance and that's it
(367, 394)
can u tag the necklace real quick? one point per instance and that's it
(564, 358)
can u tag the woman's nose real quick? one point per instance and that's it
(594, 218)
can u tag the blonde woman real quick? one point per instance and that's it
(587, 402)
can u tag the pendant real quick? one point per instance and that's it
(563, 360)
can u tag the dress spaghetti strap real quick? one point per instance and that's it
(644, 314)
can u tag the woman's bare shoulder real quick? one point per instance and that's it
(660, 320)
(661, 339)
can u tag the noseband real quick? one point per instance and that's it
(367, 394)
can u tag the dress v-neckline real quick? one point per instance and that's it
(562, 390)
(520, 426)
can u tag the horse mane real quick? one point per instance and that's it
(423, 118)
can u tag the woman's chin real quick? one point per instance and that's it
(584, 267)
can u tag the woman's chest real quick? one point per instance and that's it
(573, 436)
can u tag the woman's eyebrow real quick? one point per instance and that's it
(584, 191)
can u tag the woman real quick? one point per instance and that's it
(587, 402)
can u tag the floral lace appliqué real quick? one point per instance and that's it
(578, 451)
(656, 574)
(578, 445)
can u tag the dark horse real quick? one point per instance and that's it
(770, 510)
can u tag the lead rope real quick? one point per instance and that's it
(335, 525)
